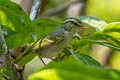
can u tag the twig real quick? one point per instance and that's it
(6, 52)
(2, 40)
(5, 76)
(42, 7)
(82, 11)
(33, 12)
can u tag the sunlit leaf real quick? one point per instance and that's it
(70, 70)
(106, 37)
(16, 23)
(112, 29)
(114, 60)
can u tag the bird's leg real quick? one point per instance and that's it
(41, 60)
(76, 35)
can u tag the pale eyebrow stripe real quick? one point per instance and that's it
(72, 20)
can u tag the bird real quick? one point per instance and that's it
(53, 42)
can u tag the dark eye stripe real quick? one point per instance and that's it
(73, 20)
(75, 24)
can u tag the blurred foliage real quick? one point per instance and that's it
(107, 10)
(114, 60)
(54, 3)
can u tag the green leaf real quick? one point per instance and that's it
(106, 37)
(44, 25)
(71, 70)
(94, 24)
(107, 40)
(90, 41)
(16, 23)
(97, 23)
(84, 44)
(85, 59)
(113, 28)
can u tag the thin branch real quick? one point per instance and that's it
(59, 9)
(5, 76)
(34, 9)
(82, 11)
(2, 40)
(6, 52)
(42, 7)
(33, 14)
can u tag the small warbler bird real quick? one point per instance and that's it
(52, 43)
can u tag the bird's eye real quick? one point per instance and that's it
(75, 24)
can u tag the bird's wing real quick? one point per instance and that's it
(50, 39)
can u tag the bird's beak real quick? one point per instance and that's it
(83, 27)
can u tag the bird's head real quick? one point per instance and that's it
(73, 25)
